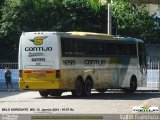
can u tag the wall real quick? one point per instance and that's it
(153, 9)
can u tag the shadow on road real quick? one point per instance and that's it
(7, 93)
(111, 96)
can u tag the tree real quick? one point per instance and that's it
(64, 15)
(133, 20)
(1, 4)
(71, 15)
(52, 15)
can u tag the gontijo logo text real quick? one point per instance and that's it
(38, 41)
(145, 108)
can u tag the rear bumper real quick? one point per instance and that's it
(39, 85)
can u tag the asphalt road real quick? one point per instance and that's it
(111, 102)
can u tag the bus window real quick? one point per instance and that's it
(132, 49)
(100, 48)
(140, 50)
(79, 47)
(109, 49)
(142, 56)
(67, 47)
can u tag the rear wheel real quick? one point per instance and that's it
(55, 93)
(88, 87)
(133, 86)
(79, 88)
(44, 93)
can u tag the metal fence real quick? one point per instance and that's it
(11, 65)
(153, 75)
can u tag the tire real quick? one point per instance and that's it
(88, 87)
(55, 93)
(101, 90)
(79, 89)
(133, 86)
(44, 93)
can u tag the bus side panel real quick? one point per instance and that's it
(128, 68)
(68, 78)
(116, 72)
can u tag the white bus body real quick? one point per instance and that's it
(54, 62)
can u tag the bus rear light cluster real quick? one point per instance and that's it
(49, 71)
(28, 71)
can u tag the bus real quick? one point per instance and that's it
(56, 62)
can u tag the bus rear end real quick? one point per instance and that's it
(39, 67)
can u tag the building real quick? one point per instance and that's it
(146, 1)
(153, 6)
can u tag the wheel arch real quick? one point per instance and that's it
(133, 85)
(79, 77)
(78, 87)
(134, 78)
(89, 78)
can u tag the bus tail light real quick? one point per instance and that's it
(57, 73)
(27, 72)
(49, 71)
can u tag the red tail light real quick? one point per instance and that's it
(28, 72)
(57, 73)
(49, 71)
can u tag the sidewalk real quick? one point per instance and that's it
(4, 88)
(139, 89)
(148, 89)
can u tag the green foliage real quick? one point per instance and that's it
(59, 15)
(95, 4)
(48, 15)
(71, 15)
(132, 20)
